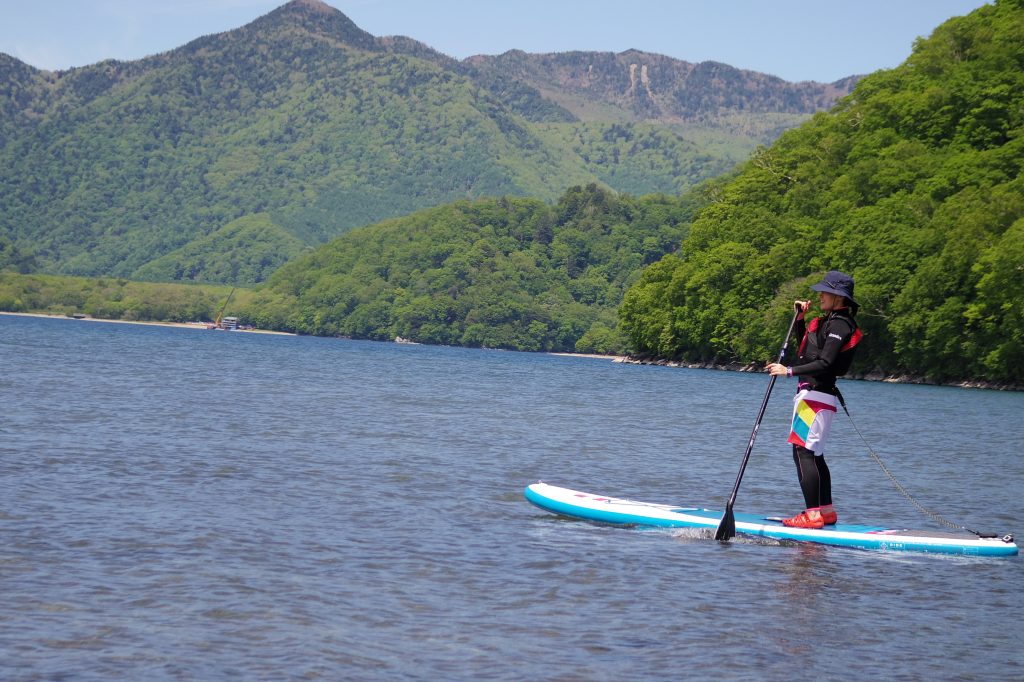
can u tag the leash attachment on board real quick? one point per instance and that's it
(938, 518)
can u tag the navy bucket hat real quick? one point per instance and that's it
(838, 283)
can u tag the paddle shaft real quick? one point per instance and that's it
(727, 528)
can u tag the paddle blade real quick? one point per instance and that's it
(727, 527)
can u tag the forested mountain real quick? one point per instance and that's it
(912, 184)
(225, 158)
(497, 273)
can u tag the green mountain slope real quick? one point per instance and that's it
(913, 184)
(639, 158)
(247, 250)
(131, 168)
(127, 162)
(498, 273)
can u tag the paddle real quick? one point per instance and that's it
(727, 527)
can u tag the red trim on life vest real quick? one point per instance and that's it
(854, 340)
(812, 327)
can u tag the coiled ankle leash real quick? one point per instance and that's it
(938, 518)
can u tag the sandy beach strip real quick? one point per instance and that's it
(595, 356)
(181, 325)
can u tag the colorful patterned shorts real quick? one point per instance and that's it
(812, 418)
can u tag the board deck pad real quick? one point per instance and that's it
(581, 505)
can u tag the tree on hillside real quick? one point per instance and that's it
(495, 273)
(912, 183)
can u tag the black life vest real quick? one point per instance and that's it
(840, 325)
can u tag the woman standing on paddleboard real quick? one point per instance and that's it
(826, 352)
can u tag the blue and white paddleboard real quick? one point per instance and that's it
(612, 510)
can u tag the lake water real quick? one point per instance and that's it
(189, 505)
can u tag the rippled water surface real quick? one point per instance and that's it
(184, 504)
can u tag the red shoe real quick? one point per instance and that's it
(829, 516)
(810, 518)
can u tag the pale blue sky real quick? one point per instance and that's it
(821, 40)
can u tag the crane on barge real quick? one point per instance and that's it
(225, 322)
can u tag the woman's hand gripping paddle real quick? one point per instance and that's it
(727, 527)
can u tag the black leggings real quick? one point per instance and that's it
(815, 479)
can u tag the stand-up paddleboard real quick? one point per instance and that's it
(612, 510)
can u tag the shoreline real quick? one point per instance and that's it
(593, 356)
(619, 359)
(153, 323)
(875, 375)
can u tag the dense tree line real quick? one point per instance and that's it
(115, 299)
(913, 184)
(497, 273)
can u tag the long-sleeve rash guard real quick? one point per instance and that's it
(826, 349)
